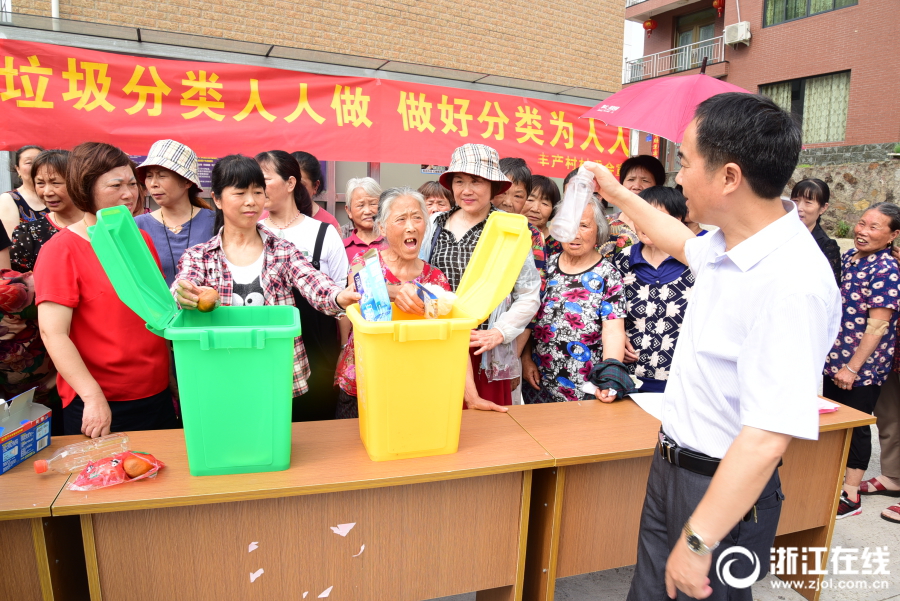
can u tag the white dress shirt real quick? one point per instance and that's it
(761, 320)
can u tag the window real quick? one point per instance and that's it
(820, 102)
(779, 11)
(696, 28)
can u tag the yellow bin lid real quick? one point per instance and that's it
(495, 265)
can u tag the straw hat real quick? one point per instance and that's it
(174, 156)
(475, 159)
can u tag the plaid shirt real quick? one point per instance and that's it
(451, 256)
(284, 268)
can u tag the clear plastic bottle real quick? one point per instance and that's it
(579, 191)
(74, 457)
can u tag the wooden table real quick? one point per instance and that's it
(431, 527)
(40, 556)
(603, 454)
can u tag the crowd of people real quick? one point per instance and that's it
(609, 302)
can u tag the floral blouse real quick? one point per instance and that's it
(569, 325)
(868, 283)
(24, 362)
(345, 376)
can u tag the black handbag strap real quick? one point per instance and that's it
(317, 249)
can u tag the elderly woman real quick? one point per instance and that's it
(183, 219)
(438, 199)
(811, 197)
(249, 266)
(863, 353)
(113, 373)
(362, 207)
(475, 178)
(657, 289)
(290, 209)
(403, 221)
(49, 175)
(22, 204)
(580, 323)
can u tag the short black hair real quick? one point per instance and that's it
(889, 210)
(517, 171)
(650, 163)
(312, 167)
(813, 189)
(56, 160)
(236, 171)
(547, 188)
(754, 133)
(670, 199)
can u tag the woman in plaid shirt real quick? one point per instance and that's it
(249, 266)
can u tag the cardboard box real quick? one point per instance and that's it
(24, 429)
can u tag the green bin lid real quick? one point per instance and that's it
(130, 267)
(495, 265)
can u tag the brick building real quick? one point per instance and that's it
(833, 62)
(541, 42)
(541, 50)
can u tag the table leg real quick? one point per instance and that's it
(514, 593)
(543, 535)
(834, 448)
(90, 557)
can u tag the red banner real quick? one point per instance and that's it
(58, 97)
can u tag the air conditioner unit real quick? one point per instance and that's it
(738, 33)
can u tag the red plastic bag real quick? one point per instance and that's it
(110, 471)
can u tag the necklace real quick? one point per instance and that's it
(176, 229)
(173, 230)
(286, 225)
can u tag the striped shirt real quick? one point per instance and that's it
(761, 320)
(284, 268)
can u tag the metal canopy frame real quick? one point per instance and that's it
(173, 45)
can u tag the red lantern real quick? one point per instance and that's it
(719, 5)
(650, 24)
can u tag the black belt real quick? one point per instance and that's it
(695, 462)
(692, 461)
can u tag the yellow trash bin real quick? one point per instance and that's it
(411, 371)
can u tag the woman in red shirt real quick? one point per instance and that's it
(113, 373)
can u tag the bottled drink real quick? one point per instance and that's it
(73, 457)
(579, 191)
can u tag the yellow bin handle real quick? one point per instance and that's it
(421, 330)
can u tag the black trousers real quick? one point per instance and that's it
(673, 494)
(155, 412)
(861, 398)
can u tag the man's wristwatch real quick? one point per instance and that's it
(695, 543)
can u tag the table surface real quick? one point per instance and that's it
(587, 431)
(326, 456)
(25, 494)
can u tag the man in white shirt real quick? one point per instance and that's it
(763, 315)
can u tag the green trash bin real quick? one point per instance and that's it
(235, 365)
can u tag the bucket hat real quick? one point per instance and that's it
(475, 159)
(174, 156)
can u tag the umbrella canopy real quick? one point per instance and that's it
(663, 106)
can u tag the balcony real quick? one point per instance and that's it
(641, 10)
(676, 60)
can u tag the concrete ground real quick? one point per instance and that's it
(865, 530)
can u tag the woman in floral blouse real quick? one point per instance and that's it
(581, 319)
(863, 353)
(402, 220)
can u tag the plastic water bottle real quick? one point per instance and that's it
(74, 457)
(579, 191)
